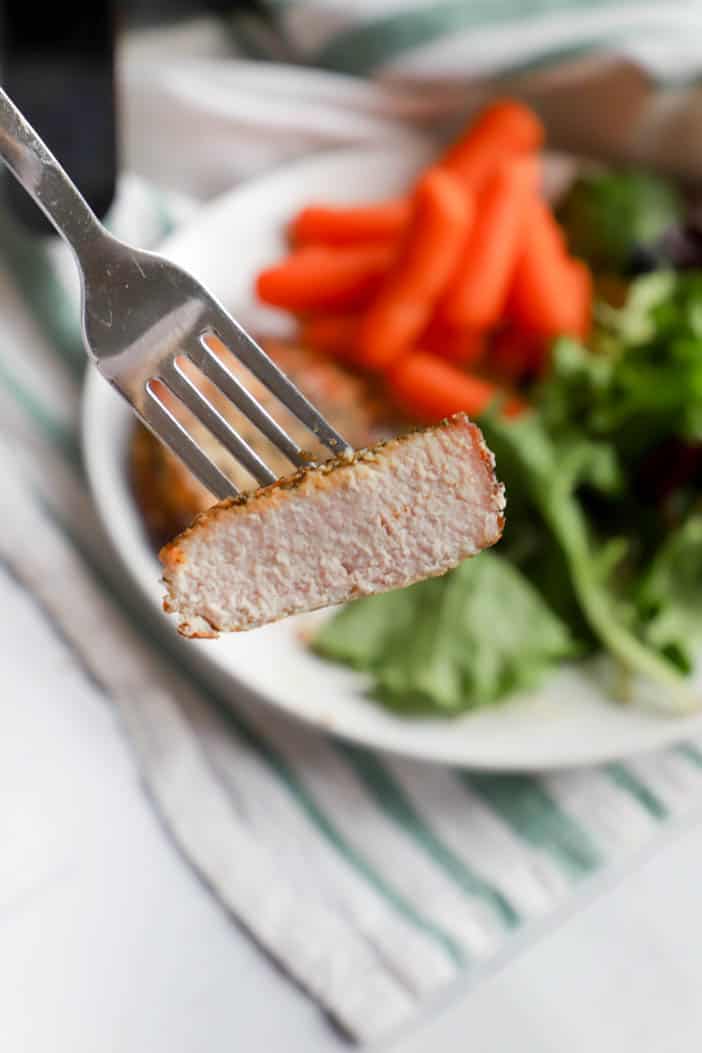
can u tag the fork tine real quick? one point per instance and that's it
(255, 358)
(169, 430)
(208, 362)
(191, 397)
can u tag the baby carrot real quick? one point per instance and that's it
(320, 278)
(551, 293)
(334, 334)
(442, 213)
(460, 345)
(477, 294)
(580, 298)
(429, 390)
(504, 129)
(385, 221)
(515, 353)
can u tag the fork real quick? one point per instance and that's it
(146, 322)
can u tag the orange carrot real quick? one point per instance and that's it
(334, 334)
(477, 294)
(504, 129)
(442, 213)
(385, 222)
(319, 278)
(429, 389)
(552, 293)
(463, 346)
(580, 298)
(515, 353)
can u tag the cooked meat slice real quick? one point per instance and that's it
(406, 509)
(170, 497)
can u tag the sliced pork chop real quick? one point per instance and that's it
(406, 509)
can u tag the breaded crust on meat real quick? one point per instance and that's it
(406, 509)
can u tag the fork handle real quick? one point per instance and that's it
(35, 167)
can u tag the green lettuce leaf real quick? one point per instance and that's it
(550, 474)
(450, 644)
(670, 595)
(644, 382)
(610, 215)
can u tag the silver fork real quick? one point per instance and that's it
(143, 318)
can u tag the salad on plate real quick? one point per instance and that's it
(568, 324)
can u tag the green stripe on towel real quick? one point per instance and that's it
(56, 432)
(533, 815)
(690, 752)
(395, 803)
(366, 47)
(322, 822)
(636, 789)
(35, 277)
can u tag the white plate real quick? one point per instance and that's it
(569, 722)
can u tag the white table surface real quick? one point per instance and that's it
(108, 942)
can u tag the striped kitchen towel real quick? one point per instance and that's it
(375, 882)
(454, 39)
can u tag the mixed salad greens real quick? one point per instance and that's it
(602, 549)
(573, 334)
